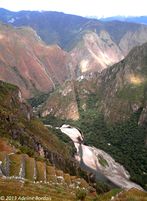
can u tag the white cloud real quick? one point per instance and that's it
(81, 7)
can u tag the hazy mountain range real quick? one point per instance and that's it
(137, 19)
(89, 46)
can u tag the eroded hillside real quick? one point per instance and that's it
(112, 111)
(28, 63)
(93, 44)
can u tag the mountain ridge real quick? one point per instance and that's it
(129, 72)
(89, 46)
(112, 111)
(134, 19)
(28, 63)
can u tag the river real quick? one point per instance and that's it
(98, 162)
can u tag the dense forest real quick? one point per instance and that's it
(124, 141)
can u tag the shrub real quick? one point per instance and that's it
(81, 194)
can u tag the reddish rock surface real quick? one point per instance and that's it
(28, 63)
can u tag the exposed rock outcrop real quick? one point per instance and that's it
(117, 92)
(94, 52)
(92, 45)
(27, 62)
(62, 103)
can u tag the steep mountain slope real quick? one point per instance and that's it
(68, 101)
(73, 27)
(93, 44)
(94, 52)
(126, 84)
(52, 27)
(22, 135)
(105, 45)
(112, 111)
(119, 90)
(36, 178)
(27, 62)
(28, 134)
(62, 103)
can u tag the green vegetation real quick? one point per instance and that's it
(66, 141)
(38, 100)
(102, 161)
(5, 88)
(81, 194)
(57, 122)
(20, 131)
(40, 179)
(15, 163)
(125, 141)
(29, 135)
(107, 196)
(27, 150)
(132, 195)
(62, 192)
(102, 187)
(54, 121)
(132, 92)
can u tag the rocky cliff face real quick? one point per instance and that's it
(102, 47)
(124, 87)
(28, 63)
(94, 52)
(131, 39)
(117, 92)
(62, 103)
(93, 44)
(67, 101)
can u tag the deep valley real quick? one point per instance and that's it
(73, 107)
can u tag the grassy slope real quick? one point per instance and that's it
(14, 119)
(51, 192)
(62, 193)
(50, 186)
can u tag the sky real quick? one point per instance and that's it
(99, 8)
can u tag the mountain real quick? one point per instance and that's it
(124, 82)
(27, 62)
(52, 27)
(112, 110)
(109, 106)
(62, 103)
(94, 52)
(93, 45)
(24, 131)
(137, 19)
(32, 158)
(31, 155)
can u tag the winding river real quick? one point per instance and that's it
(98, 162)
